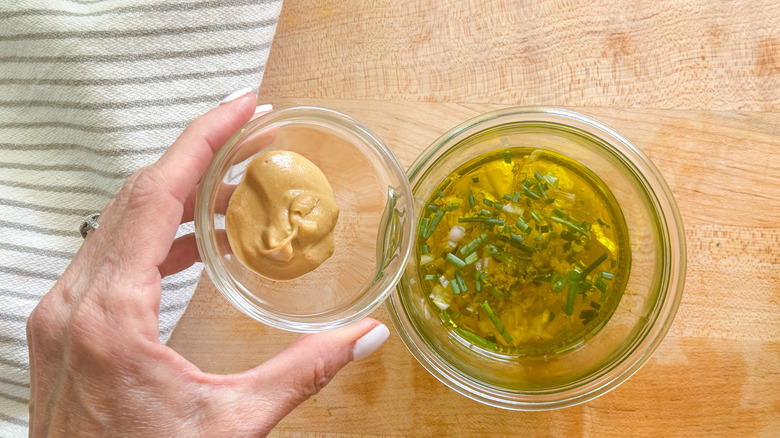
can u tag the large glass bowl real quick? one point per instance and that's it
(645, 311)
(372, 236)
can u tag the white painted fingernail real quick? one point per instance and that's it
(264, 108)
(236, 94)
(369, 342)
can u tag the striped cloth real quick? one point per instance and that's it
(91, 90)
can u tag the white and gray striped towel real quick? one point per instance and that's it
(91, 90)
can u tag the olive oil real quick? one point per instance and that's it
(524, 251)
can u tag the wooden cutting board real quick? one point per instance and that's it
(718, 368)
(694, 83)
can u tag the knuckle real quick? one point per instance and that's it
(43, 315)
(130, 181)
(314, 378)
(146, 182)
(129, 184)
(46, 322)
(35, 321)
(148, 190)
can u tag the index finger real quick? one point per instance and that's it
(182, 165)
(156, 202)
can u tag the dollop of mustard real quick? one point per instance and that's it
(281, 216)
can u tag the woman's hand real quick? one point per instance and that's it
(96, 365)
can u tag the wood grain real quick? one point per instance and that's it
(669, 54)
(695, 84)
(716, 373)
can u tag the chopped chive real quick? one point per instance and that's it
(425, 249)
(498, 206)
(601, 222)
(476, 339)
(496, 322)
(434, 223)
(549, 200)
(516, 197)
(574, 290)
(538, 217)
(472, 246)
(444, 315)
(471, 200)
(431, 208)
(497, 253)
(431, 277)
(447, 317)
(483, 212)
(594, 265)
(588, 314)
(461, 284)
(507, 196)
(595, 305)
(517, 242)
(544, 229)
(542, 190)
(522, 226)
(585, 287)
(553, 181)
(551, 317)
(440, 193)
(455, 261)
(478, 281)
(530, 194)
(606, 275)
(570, 225)
(558, 212)
(471, 258)
(455, 287)
(507, 228)
(601, 285)
(507, 157)
(496, 292)
(487, 202)
(527, 202)
(423, 227)
(537, 175)
(485, 220)
(452, 206)
(563, 281)
(475, 180)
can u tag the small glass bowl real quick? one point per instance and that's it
(372, 237)
(646, 309)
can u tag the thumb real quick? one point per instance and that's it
(305, 367)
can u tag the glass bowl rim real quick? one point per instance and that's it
(203, 226)
(647, 340)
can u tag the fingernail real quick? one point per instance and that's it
(264, 108)
(369, 342)
(236, 94)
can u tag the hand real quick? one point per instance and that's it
(96, 365)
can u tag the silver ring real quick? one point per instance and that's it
(90, 223)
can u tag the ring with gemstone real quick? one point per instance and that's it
(90, 223)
